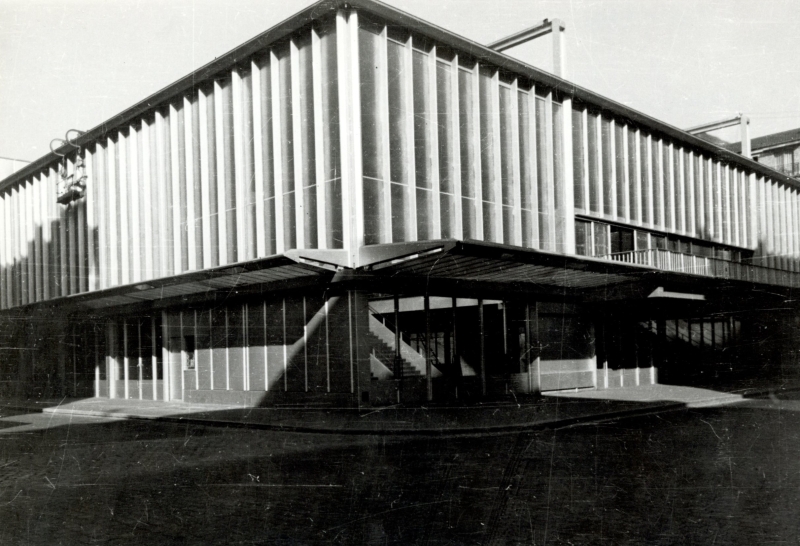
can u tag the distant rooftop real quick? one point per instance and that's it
(767, 141)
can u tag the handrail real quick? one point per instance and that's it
(668, 260)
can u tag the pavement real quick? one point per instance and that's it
(552, 410)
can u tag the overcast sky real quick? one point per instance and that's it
(75, 63)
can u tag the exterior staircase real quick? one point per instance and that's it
(382, 341)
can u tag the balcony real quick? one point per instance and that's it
(789, 169)
(667, 260)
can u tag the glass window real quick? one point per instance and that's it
(602, 244)
(583, 238)
(642, 240)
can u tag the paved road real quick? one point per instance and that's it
(728, 475)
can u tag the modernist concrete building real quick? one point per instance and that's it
(357, 207)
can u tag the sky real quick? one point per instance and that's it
(75, 63)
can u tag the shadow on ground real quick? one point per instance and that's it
(724, 475)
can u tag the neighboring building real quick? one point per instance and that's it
(357, 196)
(780, 151)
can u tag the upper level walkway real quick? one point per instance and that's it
(667, 260)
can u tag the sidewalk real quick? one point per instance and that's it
(554, 410)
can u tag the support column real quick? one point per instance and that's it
(398, 358)
(111, 359)
(428, 352)
(125, 358)
(482, 336)
(534, 348)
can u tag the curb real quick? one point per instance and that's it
(546, 424)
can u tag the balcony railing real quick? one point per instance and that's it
(667, 260)
(789, 169)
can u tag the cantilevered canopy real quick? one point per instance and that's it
(492, 262)
(478, 261)
(294, 266)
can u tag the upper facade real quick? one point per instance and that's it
(354, 124)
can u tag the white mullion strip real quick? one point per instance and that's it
(100, 188)
(319, 140)
(726, 202)
(299, 152)
(8, 250)
(25, 232)
(6, 244)
(568, 182)
(161, 195)
(497, 168)
(63, 257)
(219, 130)
(708, 168)
(744, 234)
(718, 202)
(455, 168)
(735, 206)
(585, 159)
(691, 218)
(175, 188)
(347, 137)
(770, 222)
(660, 220)
(755, 211)
(612, 158)
(14, 226)
(280, 242)
(36, 206)
(636, 179)
(258, 159)
(476, 139)
(33, 222)
(793, 211)
(147, 198)
(33, 190)
(205, 183)
(239, 181)
(71, 238)
(680, 181)
(516, 182)
(763, 225)
(650, 186)
(356, 213)
(383, 124)
(626, 175)
(82, 248)
(785, 228)
(4, 269)
(113, 239)
(135, 225)
(788, 227)
(599, 188)
(550, 185)
(124, 211)
(533, 121)
(191, 180)
(412, 233)
(433, 157)
(45, 197)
